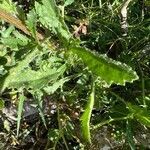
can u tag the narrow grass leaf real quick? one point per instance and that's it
(85, 118)
(1, 104)
(129, 135)
(19, 112)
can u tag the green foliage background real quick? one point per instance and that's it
(100, 69)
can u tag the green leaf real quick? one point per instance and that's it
(7, 5)
(38, 97)
(7, 32)
(2, 70)
(14, 42)
(129, 134)
(35, 79)
(68, 2)
(19, 112)
(55, 86)
(31, 22)
(49, 16)
(23, 76)
(16, 70)
(141, 114)
(85, 118)
(6, 125)
(53, 135)
(107, 69)
(1, 104)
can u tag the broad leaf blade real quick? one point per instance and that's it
(14, 71)
(107, 69)
(22, 75)
(50, 17)
(35, 79)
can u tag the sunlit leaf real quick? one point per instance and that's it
(85, 118)
(50, 17)
(19, 112)
(68, 2)
(22, 75)
(6, 125)
(1, 104)
(107, 69)
(8, 5)
(31, 22)
(38, 97)
(53, 134)
(55, 86)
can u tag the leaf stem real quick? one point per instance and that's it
(143, 87)
(109, 121)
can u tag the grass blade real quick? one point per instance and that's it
(20, 110)
(85, 118)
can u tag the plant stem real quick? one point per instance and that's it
(7, 17)
(109, 121)
(143, 87)
(17, 23)
(100, 4)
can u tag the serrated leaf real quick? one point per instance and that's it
(19, 112)
(7, 32)
(14, 71)
(55, 86)
(38, 97)
(85, 118)
(31, 22)
(35, 79)
(8, 5)
(50, 17)
(13, 42)
(107, 69)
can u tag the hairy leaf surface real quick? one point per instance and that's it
(31, 22)
(107, 69)
(22, 76)
(49, 17)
